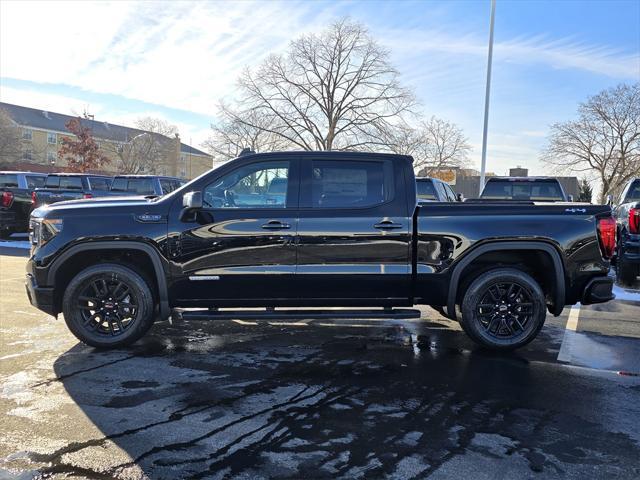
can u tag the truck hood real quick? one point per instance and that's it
(91, 203)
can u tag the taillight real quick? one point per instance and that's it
(7, 199)
(634, 220)
(87, 195)
(34, 198)
(607, 236)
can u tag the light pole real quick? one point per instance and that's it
(487, 92)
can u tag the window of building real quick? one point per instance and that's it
(51, 156)
(52, 138)
(27, 134)
(345, 183)
(258, 185)
(27, 155)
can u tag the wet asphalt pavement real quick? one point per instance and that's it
(320, 399)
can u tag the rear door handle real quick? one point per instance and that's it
(276, 225)
(387, 225)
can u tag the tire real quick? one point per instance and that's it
(108, 306)
(503, 309)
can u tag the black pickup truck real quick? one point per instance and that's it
(16, 189)
(627, 214)
(537, 189)
(430, 189)
(144, 185)
(69, 186)
(347, 232)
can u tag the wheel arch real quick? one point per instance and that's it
(516, 246)
(158, 271)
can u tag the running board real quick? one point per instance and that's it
(273, 314)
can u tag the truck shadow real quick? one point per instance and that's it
(271, 401)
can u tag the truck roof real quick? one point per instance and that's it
(328, 154)
(524, 179)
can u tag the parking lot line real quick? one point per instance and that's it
(564, 355)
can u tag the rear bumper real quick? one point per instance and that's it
(598, 290)
(9, 220)
(40, 297)
(630, 249)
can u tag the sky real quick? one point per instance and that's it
(178, 60)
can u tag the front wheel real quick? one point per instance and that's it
(503, 309)
(108, 306)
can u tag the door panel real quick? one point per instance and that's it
(242, 244)
(362, 250)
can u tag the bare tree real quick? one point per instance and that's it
(149, 151)
(603, 142)
(330, 91)
(443, 145)
(434, 144)
(10, 139)
(230, 136)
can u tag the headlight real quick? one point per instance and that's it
(43, 230)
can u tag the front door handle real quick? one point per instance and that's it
(276, 225)
(387, 225)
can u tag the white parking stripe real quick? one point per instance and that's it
(569, 334)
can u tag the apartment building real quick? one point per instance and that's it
(42, 134)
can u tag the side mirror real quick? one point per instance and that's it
(609, 200)
(460, 197)
(570, 198)
(191, 202)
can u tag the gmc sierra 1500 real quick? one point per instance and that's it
(346, 231)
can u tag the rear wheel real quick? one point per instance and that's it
(503, 309)
(108, 306)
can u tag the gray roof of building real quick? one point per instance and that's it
(32, 117)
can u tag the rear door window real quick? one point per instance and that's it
(70, 183)
(451, 196)
(8, 180)
(347, 183)
(35, 181)
(100, 183)
(52, 181)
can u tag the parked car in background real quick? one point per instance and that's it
(536, 189)
(59, 187)
(15, 200)
(338, 229)
(144, 185)
(434, 190)
(627, 214)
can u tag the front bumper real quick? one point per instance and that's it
(598, 290)
(40, 297)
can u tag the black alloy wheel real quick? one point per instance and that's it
(108, 305)
(503, 309)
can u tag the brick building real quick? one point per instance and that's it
(42, 134)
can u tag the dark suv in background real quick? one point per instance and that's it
(144, 185)
(16, 189)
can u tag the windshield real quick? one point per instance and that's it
(634, 192)
(426, 190)
(8, 180)
(523, 190)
